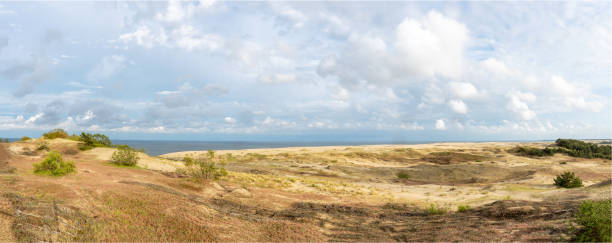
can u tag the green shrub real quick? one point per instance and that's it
(43, 146)
(203, 169)
(56, 133)
(125, 156)
(527, 151)
(403, 175)
(54, 165)
(90, 141)
(188, 161)
(568, 180)
(463, 208)
(434, 209)
(582, 149)
(594, 217)
(25, 138)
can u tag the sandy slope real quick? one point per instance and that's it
(334, 193)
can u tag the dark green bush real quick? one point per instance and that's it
(568, 180)
(595, 219)
(90, 141)
(56, 133)
(54, 165)
(403, 175)
(527, 151)
(582, 149)
(125, 155)
(43, 146)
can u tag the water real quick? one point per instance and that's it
(163, 147)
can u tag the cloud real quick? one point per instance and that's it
(29, 74)
(495, 66)
(458, 106)
(178, 11)
(229, 120)
(277, 78)
(433, 45)
(463, 90)
(440, 125)
(107, 67)
(517, 103)
(143, 36)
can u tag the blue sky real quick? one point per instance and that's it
(341, 71)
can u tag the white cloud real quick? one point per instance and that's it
(177, 11)
(187, 37)
(458, 106)
(107, 67)
(517, 103)
(440, 125)
(463, 90)
(229, 120)
(277, 78)
(433, 45)
(495, 66)
(143, 36)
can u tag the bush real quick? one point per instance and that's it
(93, 140)
(56, 133)
(43, 146)
(594, 217)
(54, 165)
(25, 138)
(463, 208)
(125, 156)
(568, 180)
(403, 175)
(434, 209)
(203, 168)
(526, 151)
(582, 149)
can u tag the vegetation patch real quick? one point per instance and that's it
(125, 156)
(534, 152)
(595, 221)
(89, 141)
(582, 149)
(434, 209)
(463, 208)
(204, 168)
(56, 133)
(25, 138)
(452, 157)
(38, 220)
(568, 180)
(54, 165)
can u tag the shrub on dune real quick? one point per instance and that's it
(56, 133)
(125, 155)
(568, 180)
(54, 165)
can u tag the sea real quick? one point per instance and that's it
(155, 148)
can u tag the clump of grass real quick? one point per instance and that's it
(54, 165)
(595, 219)
(125, 156)
(434, 209)
(568, 180)
(203, 168)
(463, 208)
(403, 175)
(43, 146)
(56, 133)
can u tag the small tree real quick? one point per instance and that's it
(54, 165)
(125, 156)
(568, 180)
(595, 219)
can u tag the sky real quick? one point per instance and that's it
(307, 71)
